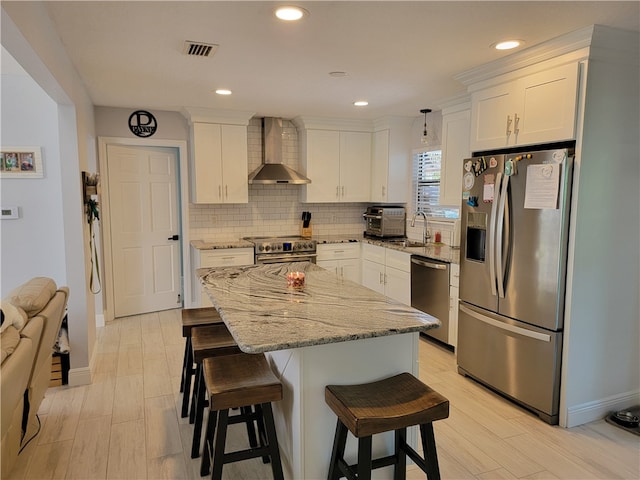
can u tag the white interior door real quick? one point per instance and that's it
(143, 205)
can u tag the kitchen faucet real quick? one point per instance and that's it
(425, 236)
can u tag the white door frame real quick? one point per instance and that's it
(105, 219)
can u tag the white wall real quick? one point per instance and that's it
(601, 370)
(27, 34)
(28, 115)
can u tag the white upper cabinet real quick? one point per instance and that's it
(219, 168)
(455, 148)
(355, 166)
(338, 164)
(536, 108)
(391, 160)
(218, 155)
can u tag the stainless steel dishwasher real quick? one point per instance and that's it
(430, 292)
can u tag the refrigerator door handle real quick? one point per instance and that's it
(492, 233)
(499, 265)
(505, 326)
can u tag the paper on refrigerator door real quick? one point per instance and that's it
(542, 186)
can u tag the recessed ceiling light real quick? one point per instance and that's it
(223, 91)
(361, 103)
(290, 13)
(507, 44)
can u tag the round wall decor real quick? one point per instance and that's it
(142, 123)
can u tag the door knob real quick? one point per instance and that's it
(175, 237)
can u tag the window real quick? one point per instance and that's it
(426, 184)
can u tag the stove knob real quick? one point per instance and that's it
(279, 247)
(267, 248)
(261, 248)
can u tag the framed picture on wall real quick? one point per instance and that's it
(21, 162)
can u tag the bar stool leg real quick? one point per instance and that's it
(251, 431)
(339, 443)
(220, 441)
(184, 366)
(198, 407)
(429, 449)
(400, 468)
(197, 380)
(364, 458)
(272, 439)
(187, 374)
(207, 449)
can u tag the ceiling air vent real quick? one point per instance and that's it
(199, 49)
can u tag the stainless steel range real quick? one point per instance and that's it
(283, 249)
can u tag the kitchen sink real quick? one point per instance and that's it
(406, 243)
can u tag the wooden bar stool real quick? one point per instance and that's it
(394, 403)
(240, 381)
(192, 317)
(207, 342)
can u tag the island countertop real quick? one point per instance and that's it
(264, 315)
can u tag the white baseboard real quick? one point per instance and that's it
(99, 320)
(591, 411)
(79, 376)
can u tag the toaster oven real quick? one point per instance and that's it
(384, 222)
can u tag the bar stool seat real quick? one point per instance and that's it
(207, 342)
(240, 381)
(391, 404)
(192, 317)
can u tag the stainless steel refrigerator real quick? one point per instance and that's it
(514, 229)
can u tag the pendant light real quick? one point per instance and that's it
(425, 139)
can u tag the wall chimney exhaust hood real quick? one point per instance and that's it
(272, 170)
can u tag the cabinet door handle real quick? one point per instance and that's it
(381, 281)
(220, 191)
(226, 191)
(509, 121)
(383, 192)
(516, 122)
(337, 191)
(385, 278)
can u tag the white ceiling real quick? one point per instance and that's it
(400, 56)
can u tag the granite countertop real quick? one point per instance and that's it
(441, 252)
(204, 245)
(263, 314)
(435, 251)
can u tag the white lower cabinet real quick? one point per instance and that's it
(387, 271)
(341, 258)
(224, 257)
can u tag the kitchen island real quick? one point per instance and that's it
(330, 331)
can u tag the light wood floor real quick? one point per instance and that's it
(126, 425)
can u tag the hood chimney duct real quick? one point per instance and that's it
(272, 170)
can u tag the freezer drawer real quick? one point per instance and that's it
(516, 359)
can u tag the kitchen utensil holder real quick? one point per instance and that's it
(306, 232)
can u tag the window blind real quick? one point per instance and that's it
(426, 184)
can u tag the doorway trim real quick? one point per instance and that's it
(183, 172)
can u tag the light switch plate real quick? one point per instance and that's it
(9, 213)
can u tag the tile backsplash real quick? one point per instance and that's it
(272, 209)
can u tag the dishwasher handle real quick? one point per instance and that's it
(424, 263)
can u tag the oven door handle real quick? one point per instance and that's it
(286, 258)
